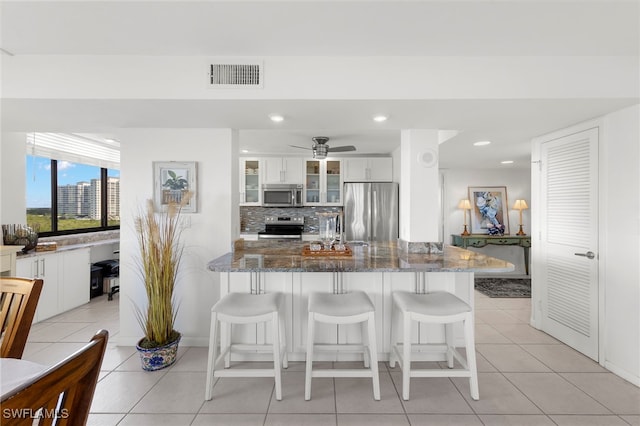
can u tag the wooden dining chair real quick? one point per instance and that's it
(62, 394)
(18, 306)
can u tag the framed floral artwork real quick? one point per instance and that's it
(489, 213)
(172, 180)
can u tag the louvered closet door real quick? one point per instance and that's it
(569, 281)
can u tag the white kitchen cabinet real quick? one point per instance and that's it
(323, 183)
(282, 170)
(369, 169)
(250, 182)
(66, 280)
(75, 276)
(44, 267)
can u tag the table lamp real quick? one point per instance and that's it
(465, 205)
(520, 205)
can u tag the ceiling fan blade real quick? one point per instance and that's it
(342, 148)
(301, 147)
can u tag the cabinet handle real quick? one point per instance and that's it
(43, 271)
(367, 173)
(37, 266)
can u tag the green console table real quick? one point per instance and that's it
(479, 240)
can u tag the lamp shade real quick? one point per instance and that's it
(520, 205)
(464, 204)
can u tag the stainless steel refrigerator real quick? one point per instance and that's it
(371, 211)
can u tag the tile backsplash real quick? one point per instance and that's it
(252, 218)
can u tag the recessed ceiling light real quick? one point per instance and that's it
(244, 151)
(481, 143)
(507, 162)
(380, 118)
(276, 118)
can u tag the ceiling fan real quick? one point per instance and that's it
(321, 149)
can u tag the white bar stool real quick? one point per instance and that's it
(343, 308)
(436, 308)
(245, 308)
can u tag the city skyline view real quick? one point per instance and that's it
(38, 178)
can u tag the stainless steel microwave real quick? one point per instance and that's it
(281, 195)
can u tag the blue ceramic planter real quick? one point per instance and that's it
(158, 358)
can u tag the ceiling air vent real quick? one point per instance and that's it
(236, 75)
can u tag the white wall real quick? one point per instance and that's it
(13, 187)
(620, 241)
(209, 234)
(334, 77)
(419, 190)
(518, 183)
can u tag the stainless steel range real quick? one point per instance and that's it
(282, 228)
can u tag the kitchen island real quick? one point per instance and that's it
(379, 269)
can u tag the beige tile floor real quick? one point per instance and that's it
(526, 378)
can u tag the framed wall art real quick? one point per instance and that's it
(489, 213)
(172, 180)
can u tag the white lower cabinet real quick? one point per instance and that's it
(44, 267)
(254, 282)
(328, 282)
(66, 279)
(419, 282)
(379, 286)
(76, 278)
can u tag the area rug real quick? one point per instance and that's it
(504, 287)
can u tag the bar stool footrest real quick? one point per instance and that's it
(237, 347)
(440, 373)
(339, 348)
(244, 372)
(341, 372)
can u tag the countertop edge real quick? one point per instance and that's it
(454, 259)
(69, 247)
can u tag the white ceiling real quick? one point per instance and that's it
(319, 28)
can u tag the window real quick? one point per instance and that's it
(113, 197)
(66, 196)
(39, 193)
(78, 196)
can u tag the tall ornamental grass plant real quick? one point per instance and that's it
(161, 249)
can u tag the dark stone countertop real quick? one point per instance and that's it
(267, 256)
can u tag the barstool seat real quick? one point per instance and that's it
(343, 308)
(248, 305)
(438, 303)
(244, 308)
(437, 308)
(340, 305)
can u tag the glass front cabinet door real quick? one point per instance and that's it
(323, 182)
(333, 182)
(312, 193)
(250, 183)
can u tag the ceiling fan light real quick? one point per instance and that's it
(320, 151)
